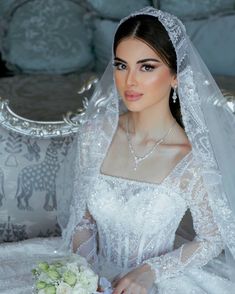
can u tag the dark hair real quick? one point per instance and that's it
(150, 30)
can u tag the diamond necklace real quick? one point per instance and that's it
(138, 158)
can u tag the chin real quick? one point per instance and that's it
(134, 108)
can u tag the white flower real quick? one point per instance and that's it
(81, 290)
(86, 271)
(64, 288)
(72, 266)
(87, 279)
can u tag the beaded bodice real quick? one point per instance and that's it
(136, 222)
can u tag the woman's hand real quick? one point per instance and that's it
(137, 281)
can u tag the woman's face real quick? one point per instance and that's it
(142, 78)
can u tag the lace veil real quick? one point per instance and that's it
(208, 122)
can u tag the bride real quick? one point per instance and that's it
(151, 146)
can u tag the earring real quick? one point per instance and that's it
(174, 96)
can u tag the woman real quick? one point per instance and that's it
(140, 166)
(141, 170)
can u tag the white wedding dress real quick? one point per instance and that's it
(120, 236)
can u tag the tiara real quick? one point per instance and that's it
(175, 28)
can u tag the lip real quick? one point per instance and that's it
(132, 95)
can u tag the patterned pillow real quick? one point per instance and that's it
(116, 9)
(215, 42)
(33, 172)
(46, 36)
(195, 9)
(103, 36)
(5, 5)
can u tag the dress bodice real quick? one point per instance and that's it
(136, 220)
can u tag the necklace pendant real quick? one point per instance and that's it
(137, 161)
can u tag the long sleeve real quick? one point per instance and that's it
(84, 241)
(80, 234)
(206, 245)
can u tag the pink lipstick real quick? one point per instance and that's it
(132, 95)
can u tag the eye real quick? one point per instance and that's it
(147, 67)
(119, 65)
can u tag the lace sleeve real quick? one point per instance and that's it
(80, 234)
(206, 245)
(84, 240)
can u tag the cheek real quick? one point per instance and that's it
(160, 81)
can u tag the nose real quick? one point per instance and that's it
(131, 78)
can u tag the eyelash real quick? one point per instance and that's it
(150, 67)
(118, 64)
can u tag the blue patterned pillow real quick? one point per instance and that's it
(102, 42)
(195, 9)
(5, 5)
(117, 9)
(215, 42)
(47, 36)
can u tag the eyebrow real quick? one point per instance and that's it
(139, 61)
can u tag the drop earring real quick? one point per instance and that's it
(174, 96)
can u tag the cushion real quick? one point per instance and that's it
(196, 9)
(103, 37)
(116, 9)
(33, 172)
(47, 36)
(5, 5)
(215, 42)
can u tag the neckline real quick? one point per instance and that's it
(166, 179)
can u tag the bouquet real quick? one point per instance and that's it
(71, 275)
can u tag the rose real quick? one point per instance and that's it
(50, 289)
(40, 285)
(53, 274)
(64, 288)
(43, 266)
(53, 267)
(72, 266)
(87, 280)
(70, 278)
